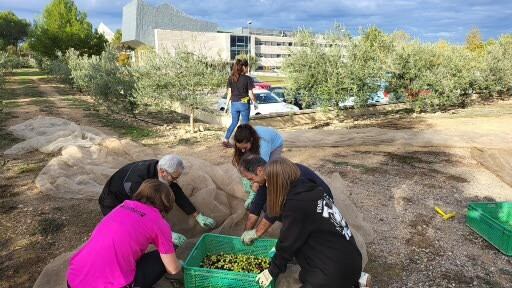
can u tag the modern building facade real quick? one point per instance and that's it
(140, 21)
(167, 30)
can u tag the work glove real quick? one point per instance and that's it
(205, 222)
(255, 106)
(264, 278)
(178, 239)
(249, 200)
(249, 236)
(247, 185)
(272, 252)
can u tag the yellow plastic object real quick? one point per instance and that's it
(443, 214)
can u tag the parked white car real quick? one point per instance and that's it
(267, 103)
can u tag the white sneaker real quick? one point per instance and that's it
(365, 281)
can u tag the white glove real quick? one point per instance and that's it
(178, 239)
(249, 236)
(205, 222)
(264, 278)
(255, 105)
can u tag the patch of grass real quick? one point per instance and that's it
(29, 168)
(10, 105)
(28, 73)
(274, 80)
(187, 141)
(6, 138)
(343, 164)
(407, 159)
(77, 103)
(48, 226)
(123, 127)
(12, 92)
(45, 105)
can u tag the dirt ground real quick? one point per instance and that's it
(396, 168)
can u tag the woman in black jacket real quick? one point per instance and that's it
(313, 231)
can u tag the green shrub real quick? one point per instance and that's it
(495, 77)
(434, 76)
(9, 62)
(108, 83)
(186, 78)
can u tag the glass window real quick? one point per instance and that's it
(267, 98)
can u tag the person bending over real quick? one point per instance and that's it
(123, 184)
(314, 232)
(263, 141)
(252, 167)
(114, 255)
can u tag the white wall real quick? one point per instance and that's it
(213, 45)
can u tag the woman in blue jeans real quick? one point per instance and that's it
(240, 94)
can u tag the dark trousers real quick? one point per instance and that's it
(150, 269)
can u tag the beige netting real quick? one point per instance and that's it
(89, 157)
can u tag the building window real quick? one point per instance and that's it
(239, 45)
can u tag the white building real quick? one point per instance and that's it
(103, 29)
(167, 29)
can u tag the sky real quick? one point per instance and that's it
(427, 20)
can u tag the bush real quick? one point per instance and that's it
(9, 62)
(59, 68)
(186, 78)
(434, 76)
(108, 83)
(495, 77)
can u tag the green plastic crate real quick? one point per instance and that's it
(493, 221)
(197, 277)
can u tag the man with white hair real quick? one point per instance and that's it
(126, 181)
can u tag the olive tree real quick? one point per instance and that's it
(185, 78)
(108, 83)
(496, 72)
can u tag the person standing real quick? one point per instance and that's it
(314, 232)
(115, 254)
(239, 90)
(126, 181)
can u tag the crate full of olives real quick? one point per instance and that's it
(224, 261)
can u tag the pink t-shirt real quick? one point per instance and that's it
(109, 258)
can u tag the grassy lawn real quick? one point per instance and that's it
(274, 80)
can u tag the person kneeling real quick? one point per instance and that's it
(314, 232)
(114, 255)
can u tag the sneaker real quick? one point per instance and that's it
(365, 281)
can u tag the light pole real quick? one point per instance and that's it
(250, 42)
(249, 27)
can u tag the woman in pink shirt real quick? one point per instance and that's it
(115, 254)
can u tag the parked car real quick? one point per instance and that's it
(267, 103)
(260, 84)
(280, 93)
(381, 97)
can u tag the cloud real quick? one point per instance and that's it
(428, 19)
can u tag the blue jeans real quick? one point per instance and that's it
(237, 109)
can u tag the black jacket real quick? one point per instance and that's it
(127, 180)
(316, 234)
(260, 200)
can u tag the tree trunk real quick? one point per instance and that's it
(192, 121)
